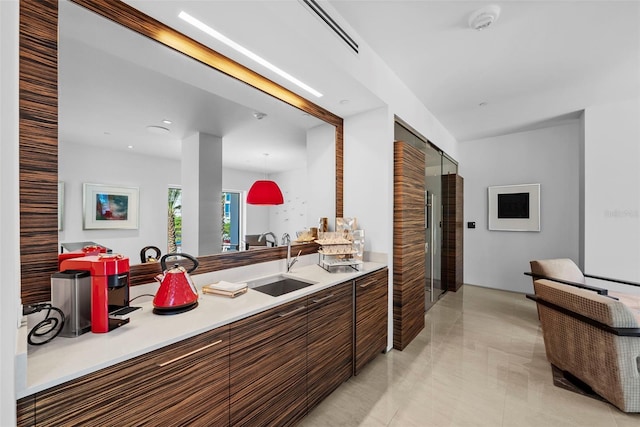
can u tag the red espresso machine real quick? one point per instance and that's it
(86, 250)
(109, 289)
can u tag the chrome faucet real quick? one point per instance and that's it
(286, 240)
(273, 242)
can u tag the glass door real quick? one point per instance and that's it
(231, 221)
(433, 212)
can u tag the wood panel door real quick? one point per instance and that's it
(409, 239)
(329, 341)
(452, 231)
(269, 367)
(186, 383)
(370, 317)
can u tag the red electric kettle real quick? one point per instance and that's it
(177, 293)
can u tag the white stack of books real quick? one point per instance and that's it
(226, 289)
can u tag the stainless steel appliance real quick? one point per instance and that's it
(71, 293)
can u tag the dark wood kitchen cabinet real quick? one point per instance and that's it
(268, 366)
(267, 369)
(329, 341)
(26, 411)
(182, 384)
(370, 317)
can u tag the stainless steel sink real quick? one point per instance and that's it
(278, 285)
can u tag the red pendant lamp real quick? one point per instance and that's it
(265, 192)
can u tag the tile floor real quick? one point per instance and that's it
(479, 361)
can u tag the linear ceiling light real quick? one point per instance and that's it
(243, 50)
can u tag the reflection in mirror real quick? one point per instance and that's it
(135, 114)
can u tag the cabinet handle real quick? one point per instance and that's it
(162, 365)
(292, 311)
(316, 301)
(364, 285)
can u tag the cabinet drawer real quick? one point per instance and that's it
(370, 317)
(329, 341)
(268, 366)
(184, 383)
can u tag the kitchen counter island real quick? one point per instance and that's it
(65, 359)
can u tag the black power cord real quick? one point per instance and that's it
(143, 295)
(48, 328)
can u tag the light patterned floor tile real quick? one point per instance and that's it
(480, 361)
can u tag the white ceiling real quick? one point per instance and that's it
(114, 83)
(541, 61)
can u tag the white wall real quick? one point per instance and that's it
(612, 190)
(291, 216)
(152, 175)
(321, 179)
(549, 156)
(368, 176)
(368, 185)
(9, 214)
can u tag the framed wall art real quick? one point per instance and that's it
(514, 207)
(109, 207)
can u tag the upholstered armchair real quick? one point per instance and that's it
(593, 337)
(589, 332)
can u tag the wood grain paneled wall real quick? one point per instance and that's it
(39, 136)
(38, 152)
(409, 238)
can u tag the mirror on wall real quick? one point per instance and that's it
(136, 115)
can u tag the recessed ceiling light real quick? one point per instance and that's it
(130, 147)
(158, 130)
(258, 115)
(243, 50)
(167, 122)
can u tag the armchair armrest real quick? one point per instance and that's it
(599, 291)
(624, 282)
(623, 332)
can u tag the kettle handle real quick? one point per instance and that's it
(195, 262)
(143, 253)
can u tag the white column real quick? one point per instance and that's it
(201, 194)
(11, 375)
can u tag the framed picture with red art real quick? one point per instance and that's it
(110, 207)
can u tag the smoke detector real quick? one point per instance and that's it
(484, 17)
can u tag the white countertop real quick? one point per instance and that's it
(64, 359)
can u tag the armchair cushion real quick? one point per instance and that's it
(560, 268)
